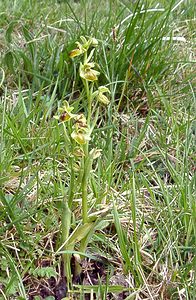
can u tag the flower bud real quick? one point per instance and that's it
(100, 95)
(103, 89)
(94, 42)
(103, 99)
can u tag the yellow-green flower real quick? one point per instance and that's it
(81, 122)
(94, 42)
(87, 72)
(95, 153)
(100, 95)
(80, 137)
(83, 47)
(75, 52)
(91, 42)
(81, 133)
(65, 113)
(78, 152)
(85, 43)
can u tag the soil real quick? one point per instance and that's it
(93, 271)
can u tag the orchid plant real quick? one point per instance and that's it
(78, 130)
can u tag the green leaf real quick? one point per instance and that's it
(8, 34)
(12, 286)
(3, 263)
(28, 36)
(80, 233)
(28, 65)
(9, 61)
(122, 241)
(45, 272)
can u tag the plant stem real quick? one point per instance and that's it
(89, 101)
(87, 161)
(84, 198)
(85, 178)
(72, 175)
(84, 187)
(66, 212)
(71, 185)
(65, 229)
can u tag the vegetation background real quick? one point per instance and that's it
(145, 176)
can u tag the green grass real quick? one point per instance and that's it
(146, 174)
